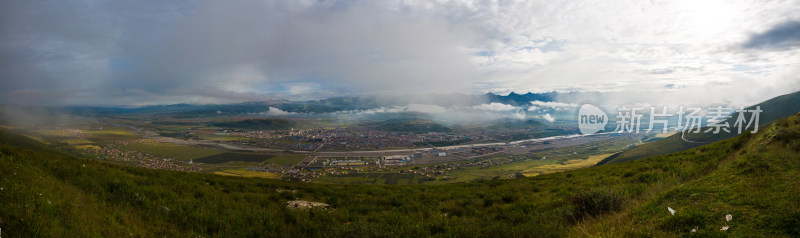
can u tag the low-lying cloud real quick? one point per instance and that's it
(495, 106)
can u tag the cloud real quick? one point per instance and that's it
(551, 104)
(425, 108)
(519, 115)
(273, 111)
(135, 53)
(549, 118)
(264, 49)
(495, 106)
(420, 108)
(782, 36)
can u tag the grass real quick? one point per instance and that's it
(50, 193)
(179, 152)
(534, 160)
(565, 166)
(76, 141)
(86, 147)
(667, 145)
(372, 178)
(251, 157)
(225, 138)
(110, 133)
(286, 158)
(773, 109)
(245, 173)
(257, 124)
(499, 171)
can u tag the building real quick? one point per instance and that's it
(396, 159)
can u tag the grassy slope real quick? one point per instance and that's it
(257, 124)
(667, 145)
(773, 109)
(751, 177)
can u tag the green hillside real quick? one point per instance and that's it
(257, 124)
(47, 193)
(773, 109)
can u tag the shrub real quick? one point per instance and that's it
(595, 202)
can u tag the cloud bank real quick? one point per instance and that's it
(172, 51)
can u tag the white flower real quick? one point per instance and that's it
(671, 211)
(724, 228)
(728, 217)
(694, 230)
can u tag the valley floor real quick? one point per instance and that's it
(741, 187)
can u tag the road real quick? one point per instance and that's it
(683, 134)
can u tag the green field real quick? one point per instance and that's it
(226, 138)
(251, 157)
(110, 133)
(170, 150)
(245, 173)
(536, 159)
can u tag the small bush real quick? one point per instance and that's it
(648, 178)
(595, 202)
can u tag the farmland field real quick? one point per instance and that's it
(110, 134)
(246, 173)
(564, 166)
(226, 138)
(251, 157)
(173, 151)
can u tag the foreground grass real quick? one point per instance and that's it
(753, 177)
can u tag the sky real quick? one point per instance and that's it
(170, 51)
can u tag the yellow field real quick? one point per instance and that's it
(77, 141)
(48, 132)
(665, 135)
(568, 165)
(121, 132)
(85, 147)
(245, 173)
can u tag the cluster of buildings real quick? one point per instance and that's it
(70, 132)
(142, 159)
(346, 138)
